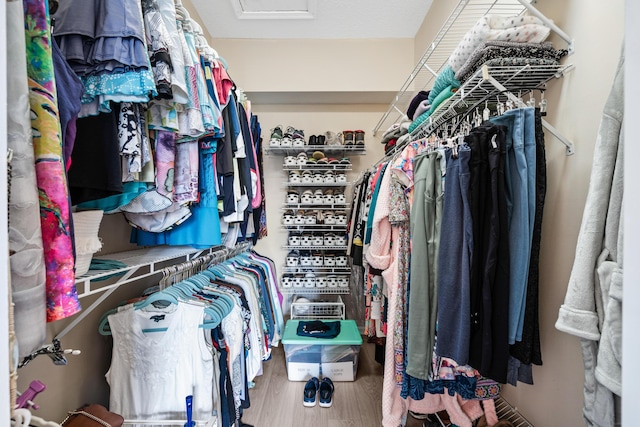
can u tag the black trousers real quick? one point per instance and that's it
(489, 346)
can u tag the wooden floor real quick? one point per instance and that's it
(277, 402)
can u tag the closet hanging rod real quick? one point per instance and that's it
(55, 351)
(84, 313)
(555, 132)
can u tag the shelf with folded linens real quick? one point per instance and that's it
(500, 68)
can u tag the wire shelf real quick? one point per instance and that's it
(319, 167)
(332, 206)
(505, 411)
(463, 17)
(491, 84)
(303, 290)
(318, 309)
(321, 228)
(321, 270)
(351, 149)
(317, 248)
(316, 184)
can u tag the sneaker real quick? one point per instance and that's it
(359, 137)
(326, 393)
(349, 136)
(310, 392)
(287, 138)
(333, 138)
(298, 138)
(276, 137)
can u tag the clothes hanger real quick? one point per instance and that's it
(157, 297)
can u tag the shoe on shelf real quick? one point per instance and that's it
(333, 138)
(326, 393)
(298, 138)
(313, 140)
(359, 137)
(276, 137)
(321, 140)
(310, 392)
(349, 136)
(287, 138)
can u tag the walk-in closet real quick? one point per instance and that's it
(319, 213)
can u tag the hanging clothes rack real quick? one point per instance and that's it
(55, 351)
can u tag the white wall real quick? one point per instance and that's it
(352, 65)
(575, 108)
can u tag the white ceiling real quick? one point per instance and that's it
(312, 19)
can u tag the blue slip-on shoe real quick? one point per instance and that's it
(326, 393)
(310, 392)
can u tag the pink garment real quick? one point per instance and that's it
(403, 166)
(379, 254)
(55, 221)
(223, 83)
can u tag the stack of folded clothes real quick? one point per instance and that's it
(504, 53)
(494, 41)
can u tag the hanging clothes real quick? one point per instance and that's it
(458, 269)
(592, 308)
(57, 235)
(222, 326)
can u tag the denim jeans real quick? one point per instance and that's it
(454, 261)
(528, 350)
(530, 154)
(519, 230)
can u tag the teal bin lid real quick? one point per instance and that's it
(349, 334)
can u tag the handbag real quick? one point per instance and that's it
(93, 415)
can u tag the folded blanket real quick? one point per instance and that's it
(515, 29)
(444, 95)
(421, 109)
(396, 130)
(500, 49)
(445, 79)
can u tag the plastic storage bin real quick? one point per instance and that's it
(335, 358)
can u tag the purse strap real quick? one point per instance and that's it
(86, 414)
